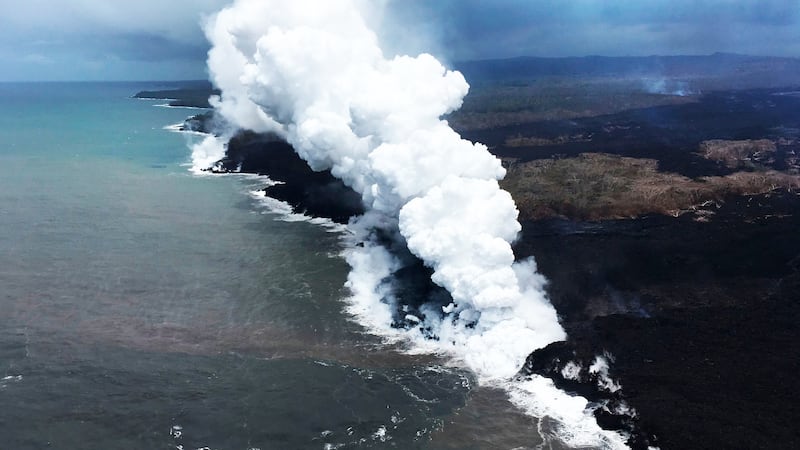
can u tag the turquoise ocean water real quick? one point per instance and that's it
(143, 307)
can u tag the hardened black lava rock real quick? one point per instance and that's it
(318, 194)
(702, 320)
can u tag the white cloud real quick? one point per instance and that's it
(177, 19)
(90, 39)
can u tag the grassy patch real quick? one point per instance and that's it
(596, 186)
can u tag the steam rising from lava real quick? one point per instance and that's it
(314, 73)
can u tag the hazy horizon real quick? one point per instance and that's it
(177, 81)
(89, 40)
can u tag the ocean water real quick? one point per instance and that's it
(143, 306)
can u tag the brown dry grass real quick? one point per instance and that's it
(736, 154)
(596, 186)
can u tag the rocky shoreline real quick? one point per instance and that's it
(317, 194)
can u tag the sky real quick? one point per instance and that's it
(163, 39)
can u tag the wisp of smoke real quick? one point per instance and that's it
(663, 86)
(314, 73)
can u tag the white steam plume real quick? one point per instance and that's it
(313, 73)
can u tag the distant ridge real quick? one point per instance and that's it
(694, 66)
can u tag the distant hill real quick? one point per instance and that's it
(737, 69)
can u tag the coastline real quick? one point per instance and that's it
(695, 316)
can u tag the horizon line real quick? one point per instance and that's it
(453, 62)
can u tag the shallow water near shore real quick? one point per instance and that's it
(146, 307)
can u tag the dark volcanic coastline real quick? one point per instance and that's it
(700, 318)
(699, 312)
(692, 296)
(318, 194)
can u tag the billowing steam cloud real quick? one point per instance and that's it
(314, 73)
